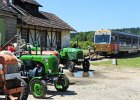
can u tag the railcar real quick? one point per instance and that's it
(109, 42)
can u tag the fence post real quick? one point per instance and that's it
(114, 61)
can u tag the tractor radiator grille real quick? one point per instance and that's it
(79, 55)
(12, 68)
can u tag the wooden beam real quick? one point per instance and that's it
(35, 34)
(46, 43)
(51, 38)
(28, 35)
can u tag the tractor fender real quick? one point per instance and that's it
(34, 78)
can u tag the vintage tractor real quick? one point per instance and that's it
(39, 67)
(41, 70)
(69, 57)
(11, 82)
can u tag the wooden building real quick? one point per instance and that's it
(45, 28)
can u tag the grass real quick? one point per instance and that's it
(133, 62)
(85, 51)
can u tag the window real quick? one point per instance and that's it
(31, 8)
(122, 39)
(24, 34)
(102, 39)
(43, 39)
(128, 40)
(135, 40)
(112, 39)
(58, 40)
(116, 39)
(28, 8)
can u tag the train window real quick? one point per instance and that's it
(105, 39)
(135, 41)
(116, 39)
(112, 39)
(128, 40)
(122, 39)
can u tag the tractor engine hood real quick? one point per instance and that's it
(71, 53)
(8, 59)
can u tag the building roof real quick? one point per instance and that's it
(6, 8)
(43, 19)
(126, 34)
(56, 21)
(32, 2)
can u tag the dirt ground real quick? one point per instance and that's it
(106, 84)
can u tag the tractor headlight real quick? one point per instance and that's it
(1, 66)
(46, 59)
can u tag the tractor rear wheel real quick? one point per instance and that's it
(71, 66)
(86, 65)
(62, 83)
(22, 95)
(38, 88)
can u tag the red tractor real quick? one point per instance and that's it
(11, 82)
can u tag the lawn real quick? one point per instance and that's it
(121, 62)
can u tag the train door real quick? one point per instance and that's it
(135, 44)
(114, 43)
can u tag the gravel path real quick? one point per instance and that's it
(106, 84)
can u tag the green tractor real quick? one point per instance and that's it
(72, 56)
(41, 70)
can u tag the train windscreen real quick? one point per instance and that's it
(102, 39)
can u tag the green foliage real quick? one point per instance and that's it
(84, 39)
(82, 45)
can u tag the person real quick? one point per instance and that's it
(89, 48)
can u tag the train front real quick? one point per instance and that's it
(102, 42)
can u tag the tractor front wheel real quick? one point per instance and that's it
(62, 83)
(71, 66)
(38, 88)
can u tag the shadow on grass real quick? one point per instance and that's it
(129, 55)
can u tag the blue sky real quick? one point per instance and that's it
(91, 15)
